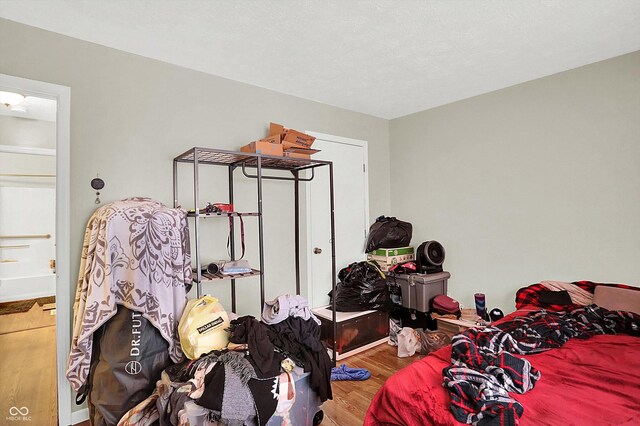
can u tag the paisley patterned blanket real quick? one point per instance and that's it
(135, 254)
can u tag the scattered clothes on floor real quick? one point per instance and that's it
(347, 373)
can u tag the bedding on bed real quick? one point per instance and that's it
(486, 366)
(587, 380)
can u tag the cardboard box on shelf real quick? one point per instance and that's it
(290, 137)
(265, 148)
(294, 138)
(387, 257)
(276, 129)
(272, 139)
(299, 152)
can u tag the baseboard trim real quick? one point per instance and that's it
(79, 416)
(357, 350)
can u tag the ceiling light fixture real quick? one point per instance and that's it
(10, 99)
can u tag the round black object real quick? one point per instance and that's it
(97, 183)
(317, 419)
(433, 253)
(496, 314)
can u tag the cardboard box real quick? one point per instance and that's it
(297, 155)
(276, 129)
(272, 139)
(291, 138)
(265, 148)
(299, 152)
(387, 257)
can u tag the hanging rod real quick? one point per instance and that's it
(244, 172)
(33, 236)
(25, 175)
(16, 246)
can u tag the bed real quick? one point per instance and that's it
(584, 382)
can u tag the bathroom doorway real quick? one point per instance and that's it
(27, 257)
(34, 258)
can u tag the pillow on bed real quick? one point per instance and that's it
(617, 299)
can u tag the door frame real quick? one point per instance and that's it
(309, 220)
(62, 95)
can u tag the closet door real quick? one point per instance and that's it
(351, 195)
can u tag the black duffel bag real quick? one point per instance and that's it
(389, 232)
(128, 356)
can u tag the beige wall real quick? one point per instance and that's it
(537, 181)
(130, 116)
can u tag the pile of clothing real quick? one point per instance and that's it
(250, 380)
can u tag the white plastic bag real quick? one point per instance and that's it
(408, 342)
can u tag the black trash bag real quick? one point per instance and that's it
(389, 232)
(362, 287)
(128, 356)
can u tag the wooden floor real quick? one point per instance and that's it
(28, 365)
(351, 399)
(36, 317)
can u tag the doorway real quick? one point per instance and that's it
(35, 310)
(351, 212)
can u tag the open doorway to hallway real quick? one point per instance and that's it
(27, 259)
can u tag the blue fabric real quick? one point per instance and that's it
(345, 373)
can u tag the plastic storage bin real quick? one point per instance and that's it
(355, 330)
(419, 289)
(306, 409)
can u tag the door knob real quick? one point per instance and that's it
(317, 250)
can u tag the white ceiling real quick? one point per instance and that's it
(387, 58)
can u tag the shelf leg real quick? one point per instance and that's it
(196, 200)
(260, 233)
(175, 184)
(232, 239)
(296, 178)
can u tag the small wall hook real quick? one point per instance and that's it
(97, 184)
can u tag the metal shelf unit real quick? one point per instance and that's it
(247, 161)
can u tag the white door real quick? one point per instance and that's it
(351, 212)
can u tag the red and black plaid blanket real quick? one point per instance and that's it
(530, 296)
(485, 366)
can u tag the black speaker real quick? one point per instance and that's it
(430, 257)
